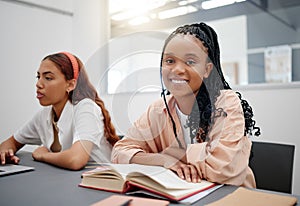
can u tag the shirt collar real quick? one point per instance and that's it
(171, 102)
(65, 116)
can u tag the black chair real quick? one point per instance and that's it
(272, 165)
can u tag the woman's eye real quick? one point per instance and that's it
(169, 61)
(48, 78)
(190, 62)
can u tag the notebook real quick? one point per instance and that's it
(9, 169)
(131, 201)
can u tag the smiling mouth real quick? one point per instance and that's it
(176, 81)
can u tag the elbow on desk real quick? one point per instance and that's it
(77, 163)
(76, 167)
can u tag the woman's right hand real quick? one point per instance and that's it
(186, 172)
(8, 156)
(175, 160)
(8, 148)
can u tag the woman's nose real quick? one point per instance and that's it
(38, 83)
(179, 67)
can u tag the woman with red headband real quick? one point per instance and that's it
(74, 125)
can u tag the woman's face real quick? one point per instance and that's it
(185, 65)
(51, 85)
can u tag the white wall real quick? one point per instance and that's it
(27, 35)
(276, 109)
(233, 48)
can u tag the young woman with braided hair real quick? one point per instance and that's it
(73, 127)
(200, 128)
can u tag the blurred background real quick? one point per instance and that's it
(120, 43)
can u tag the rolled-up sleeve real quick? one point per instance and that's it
(137, 139)
(224, 158)
(30, 133)
(147, 134)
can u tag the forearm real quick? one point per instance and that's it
(64, 159)
(223, 164)
(157, 159)
(74, 158)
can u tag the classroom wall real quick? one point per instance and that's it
(28, 34)
(276, 110)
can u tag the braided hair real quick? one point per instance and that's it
(204, 112)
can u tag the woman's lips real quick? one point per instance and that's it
(39, 95)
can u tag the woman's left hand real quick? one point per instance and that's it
(38, 153)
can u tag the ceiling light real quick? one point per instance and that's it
(182, 3)
(218, 3)
(123, 15)
(121, 10)
(139, 20)
(185, 2)
(153, 16)
(176, 12)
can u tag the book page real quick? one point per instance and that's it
(103, 177)
(156, 179)
(163, 176)
(103, 170)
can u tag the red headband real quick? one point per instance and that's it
(74, 63)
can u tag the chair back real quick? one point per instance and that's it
(272, 165)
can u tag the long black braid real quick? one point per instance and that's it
(204, 112)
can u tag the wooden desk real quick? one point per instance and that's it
(49, 185)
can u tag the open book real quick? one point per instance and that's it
(123, 178)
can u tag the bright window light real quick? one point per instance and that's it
(176, 12)
(182, 3)
(139, 20)
(217, 3)
(122, 10)
(185, 2)
(124, 15)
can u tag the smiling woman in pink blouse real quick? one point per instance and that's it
(200, 128)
